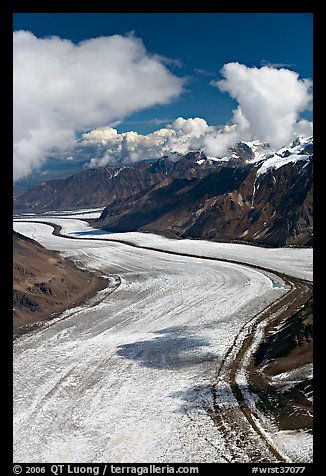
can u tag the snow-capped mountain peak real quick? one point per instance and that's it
(300, 149)
(252, 152)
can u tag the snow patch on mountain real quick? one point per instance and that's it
(300, 149)
(276, 162)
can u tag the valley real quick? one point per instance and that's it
(153, 371)
(163, 233)
(254, 195)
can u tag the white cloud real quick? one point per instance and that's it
(269, 99)
(218, 144)
(126, 147)
(61, 88)
(182, 135)
(190, 127)
(303, 128)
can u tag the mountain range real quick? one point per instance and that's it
(254, 194)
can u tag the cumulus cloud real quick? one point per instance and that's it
(60, 88)
(182, 136)
(269, 99)
(269, 104)
(303, 128)
(127, 147)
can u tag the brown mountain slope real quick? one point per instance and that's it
(230, 204)
(283, 369)
(92, 187)
(44, 284)
(102, 186)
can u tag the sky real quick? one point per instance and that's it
(140, 72)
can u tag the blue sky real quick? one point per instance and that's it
(200, 43)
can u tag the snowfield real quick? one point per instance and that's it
(129, 378)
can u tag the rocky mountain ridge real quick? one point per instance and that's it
(254, 195)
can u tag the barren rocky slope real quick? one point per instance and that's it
(233, 204)
(105, 185)
(283, 373)
(253, 195)
(45, 284)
